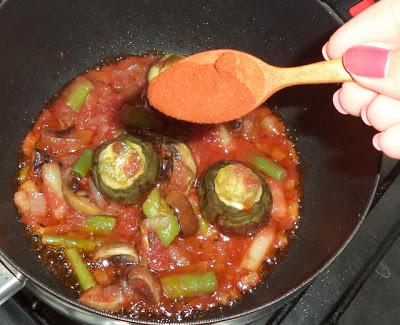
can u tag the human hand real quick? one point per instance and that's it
(370, 47)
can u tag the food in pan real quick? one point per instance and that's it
(137, 213)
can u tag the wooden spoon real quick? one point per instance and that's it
(261, 79)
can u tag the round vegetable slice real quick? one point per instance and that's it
(125, 168)
(235, 197)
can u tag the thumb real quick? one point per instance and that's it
(375, 68)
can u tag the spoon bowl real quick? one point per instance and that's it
(260, 80)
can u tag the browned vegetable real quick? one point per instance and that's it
(120, 252)
(141, 281)
(109, 298)
(184, 211)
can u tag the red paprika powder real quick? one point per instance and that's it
(207, 92)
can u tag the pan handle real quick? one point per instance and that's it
(10, 284)
(347, 9)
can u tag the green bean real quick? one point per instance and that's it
(82, 166)
(152, 204)
(203, 226)
(100, 224)
(155, 206)
(189, 284)
(68, 242)
(78, 95)
(269, 167)
(81, 272)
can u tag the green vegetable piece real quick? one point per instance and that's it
(269, 167)
(168, 233)
(222, 202)
(78, 95)
(82, 166)
(69, 242)
(151, 206)
(100, 224)
(155, 206)
(81, 272)
(153, 72)
(203, 226)
(125, 168)
(189, 285)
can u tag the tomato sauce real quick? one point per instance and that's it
(61, 134)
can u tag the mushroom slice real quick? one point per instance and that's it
(142, 282)
(182, 166)
(108, 298)
(179, 202)
(117, 252)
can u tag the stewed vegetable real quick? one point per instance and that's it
(235, 197)
(82, 166)
(147, 217)
(125, 168)
(78, 95)
(167, 226)
(188, 285)
(180, 167)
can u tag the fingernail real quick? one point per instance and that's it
(324, 53)
(375, 141)
(364, 116)
(336, 103)
(366, 61)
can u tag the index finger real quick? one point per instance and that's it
(379, 23)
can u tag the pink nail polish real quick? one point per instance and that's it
(375, 142)
(364, 116)
(336, 103)
(366, 61)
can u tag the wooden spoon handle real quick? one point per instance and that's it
(331, 71)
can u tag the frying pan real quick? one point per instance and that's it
(338, 165)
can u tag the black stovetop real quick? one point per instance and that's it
(362, 286)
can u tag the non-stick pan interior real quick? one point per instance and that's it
(339, 164)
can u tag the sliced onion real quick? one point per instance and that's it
(279, 205)
(38, 204)
(271, 125)
(156, 222)
(258, 251)
(30, 201)
(52, 189)
(72, 142)
(80, 203)
(97, 196)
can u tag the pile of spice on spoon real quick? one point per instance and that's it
(207, 89)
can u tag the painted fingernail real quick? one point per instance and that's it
(366, 61)
(364, 116)
(324, 53)
(336, 103)
(375, 142)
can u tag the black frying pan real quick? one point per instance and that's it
(339, 166)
